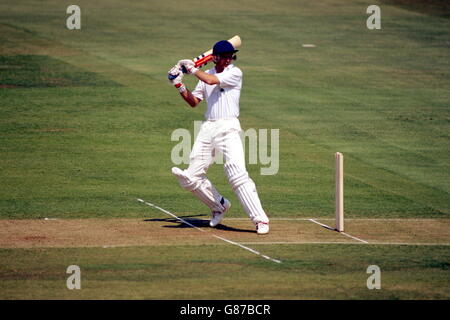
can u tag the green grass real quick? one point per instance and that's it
(185, 272)
(76, 144)
(26, 71)
(86, 119)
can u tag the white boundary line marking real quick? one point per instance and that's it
(345, 234)
(215, 236)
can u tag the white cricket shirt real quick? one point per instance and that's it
(223, 98)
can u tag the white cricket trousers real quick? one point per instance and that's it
(221, 135)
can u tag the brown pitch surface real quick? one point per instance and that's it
(150, 232)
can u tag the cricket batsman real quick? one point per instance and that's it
(220, 87)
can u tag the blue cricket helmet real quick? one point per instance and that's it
(223, 46)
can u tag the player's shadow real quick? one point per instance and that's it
(195, 222)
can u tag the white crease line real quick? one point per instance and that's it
(330, 228)
(275, 219)
(341, 242)
(354, 219)
(350, 236)
(247, 248)
(321, 224)
(390, 219)
(170, 214)
(298, 242)
(223, 239)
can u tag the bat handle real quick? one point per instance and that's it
(183, 69)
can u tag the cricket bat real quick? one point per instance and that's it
(206, 56)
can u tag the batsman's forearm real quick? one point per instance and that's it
(206, 77)
(190, 98)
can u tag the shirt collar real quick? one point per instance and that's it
(228, 67)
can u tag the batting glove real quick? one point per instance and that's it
(174, 73)
(188, 65)
(175, 77)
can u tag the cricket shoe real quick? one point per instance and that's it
(262, 228)
(217, 216)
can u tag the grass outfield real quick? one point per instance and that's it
(311, 271)
(87, 115)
